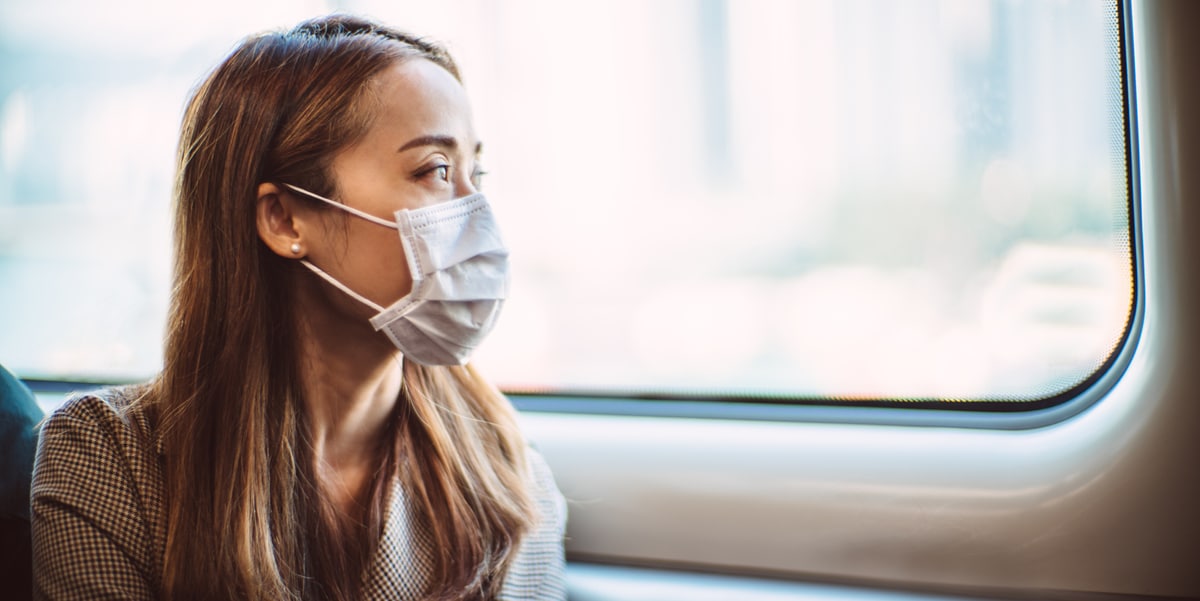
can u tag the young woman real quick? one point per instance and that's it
(315, 432)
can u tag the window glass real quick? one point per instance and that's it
(825, 198)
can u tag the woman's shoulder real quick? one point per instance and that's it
(542, 476)
(539, 571)
(103, 433)
(552, 505)
(97, 498)
(117, 415)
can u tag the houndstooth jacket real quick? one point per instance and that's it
(99, 525)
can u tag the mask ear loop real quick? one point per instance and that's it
(347, 208)
(340, 286)
(416, 273)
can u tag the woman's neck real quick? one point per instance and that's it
(351, 377)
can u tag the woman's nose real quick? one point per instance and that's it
(463, 186)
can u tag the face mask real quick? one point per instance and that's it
(459, 269)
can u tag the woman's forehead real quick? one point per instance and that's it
(417, 97)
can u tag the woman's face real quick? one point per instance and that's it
(421, 149)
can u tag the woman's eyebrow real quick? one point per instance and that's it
(447, 142)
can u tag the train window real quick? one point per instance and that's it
(831, 201)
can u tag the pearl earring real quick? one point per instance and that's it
(295, 248)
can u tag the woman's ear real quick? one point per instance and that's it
(278, 224)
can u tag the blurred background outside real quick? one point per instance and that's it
(846, 199)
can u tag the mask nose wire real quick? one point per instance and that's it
(347, 208)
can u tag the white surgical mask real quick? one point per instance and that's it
(459, 268)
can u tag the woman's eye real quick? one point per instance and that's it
(477, 178)
(438, 172)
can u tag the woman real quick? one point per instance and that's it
(312, 434)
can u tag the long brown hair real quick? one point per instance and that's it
(245, 518)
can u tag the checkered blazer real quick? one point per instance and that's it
(99, 523)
